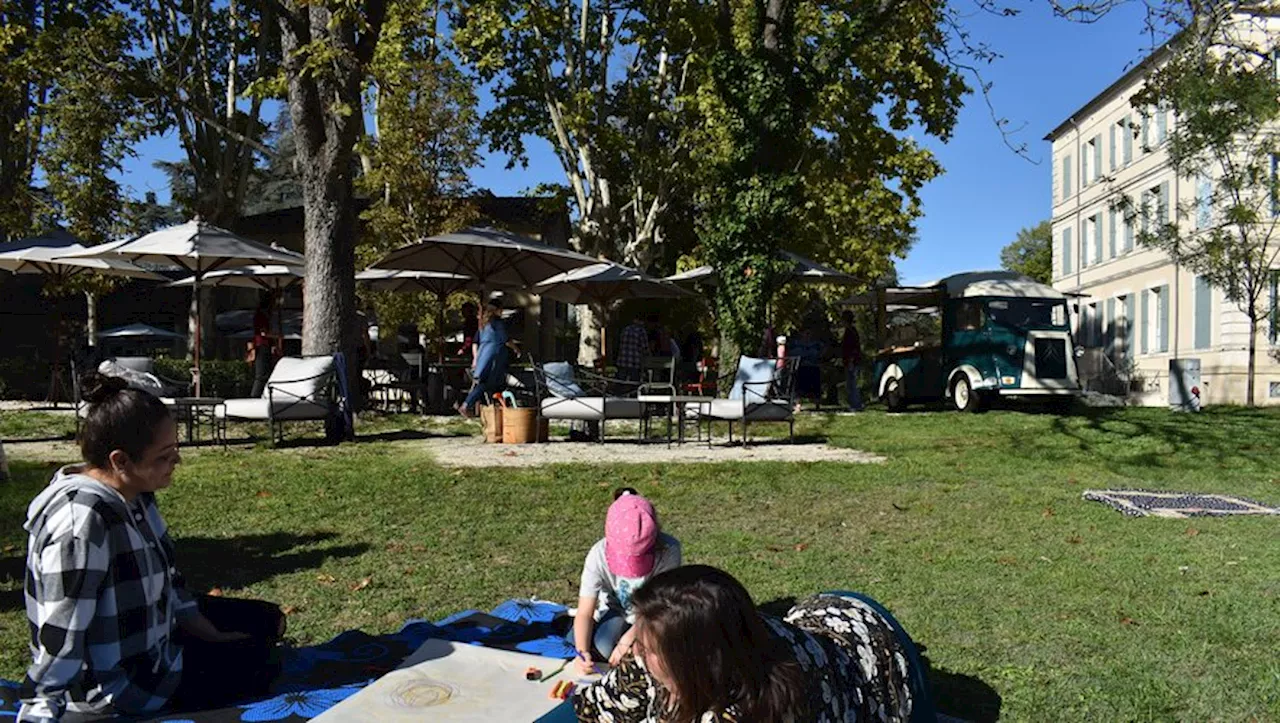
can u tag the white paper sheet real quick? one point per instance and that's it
(459, 683)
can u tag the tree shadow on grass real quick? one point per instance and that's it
(237, 562)
(1223, 437)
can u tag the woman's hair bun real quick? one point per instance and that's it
(97, 388)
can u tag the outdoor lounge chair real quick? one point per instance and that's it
(299, 389)
(762, 391)
(570, 394)
(139, 372)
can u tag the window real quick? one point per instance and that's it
(1162, 124)
(1028, 313)
(1155, 208)
(1155, 320)
(1126, 139)
(1066, 177)
(1092, 326)
(1066, 251)
(1274, 332)
(1092, 169)
(1127, 326)
(1146, 130)
(1273, 390)
(1128, 233)
(1204, 313)
(969, 316)
(1204, 199)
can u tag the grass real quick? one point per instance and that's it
(1033, 604)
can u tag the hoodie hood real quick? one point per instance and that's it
(66, 480)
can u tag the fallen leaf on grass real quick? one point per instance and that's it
(1047, 513)
(1128, 621)
(801, 547)
(364, 582)
(10, 548)
(1192, 532)
(263, 493)
(1075, 539)
(326, 578)
(215, 592)
(289, 609)
(1006, 560)
(1042, 557)
(900, 509)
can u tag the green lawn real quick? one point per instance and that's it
(1034, 604)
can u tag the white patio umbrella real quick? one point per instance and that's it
(803, 270)
(197, 247)
(492, 257)
(435, 282)
(270, 277)
(45, 255)
(139, 331)
(603, 283)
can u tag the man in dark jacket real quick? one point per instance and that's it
(851, 350)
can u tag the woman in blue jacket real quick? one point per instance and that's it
(489, 371)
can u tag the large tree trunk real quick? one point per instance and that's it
(589, 336)
(325, 106)
(90, 319)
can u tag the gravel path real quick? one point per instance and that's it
(471, 452)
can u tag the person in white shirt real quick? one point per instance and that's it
(634, 549)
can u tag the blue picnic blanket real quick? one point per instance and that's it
(318, 677)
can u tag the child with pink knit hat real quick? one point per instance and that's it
(633, 550)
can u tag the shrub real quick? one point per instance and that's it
(227, 378)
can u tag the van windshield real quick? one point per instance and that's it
(1028, 313)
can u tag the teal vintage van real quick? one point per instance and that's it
(992, 333)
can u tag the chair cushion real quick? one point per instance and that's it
(298, 377)
(591, 408)
(751, 382)
(136, 363)
(289, 410)
(560, 379)
(732, 410)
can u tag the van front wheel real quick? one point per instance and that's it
(894, 400)
(964, 396)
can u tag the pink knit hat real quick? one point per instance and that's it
(630, 534)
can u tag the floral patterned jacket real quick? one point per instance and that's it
(855, 665)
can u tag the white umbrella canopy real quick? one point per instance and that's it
(270, 277)
(803, 270)
(44, 255)
(494, 258)
(197, 247)
(193, 246)
(436, 282)
(139, 331)
(605, 282)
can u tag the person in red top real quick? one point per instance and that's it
(262, 343)
(851, 351)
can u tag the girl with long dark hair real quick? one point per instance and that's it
(704, 654)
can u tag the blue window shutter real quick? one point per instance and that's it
(1096, 222)
(1204, 194)
(1066, 251)
(1128, 235)
(1204, 310)
(1097, 157)
(1084, 245)
(1144, 320)
(1162, 125)
(1111, 232)
(1128, 327)
(1146, 131)
(1163, 211)
(1275, 199)
(1066, 177)
(1162, 330)
(1112, 147)
(1126, 137)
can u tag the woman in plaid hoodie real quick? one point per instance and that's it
(112, 630)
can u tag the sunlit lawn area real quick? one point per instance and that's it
(1033, 604)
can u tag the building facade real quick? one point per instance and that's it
(1135, 309)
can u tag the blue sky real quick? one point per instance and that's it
(1050, 67)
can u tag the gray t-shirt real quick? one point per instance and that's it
(614, 591)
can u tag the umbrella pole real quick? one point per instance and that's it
(195, 372)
